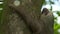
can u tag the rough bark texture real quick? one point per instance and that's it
(13, 22)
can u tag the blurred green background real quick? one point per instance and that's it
(53, 5)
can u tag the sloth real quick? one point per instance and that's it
(42, 26)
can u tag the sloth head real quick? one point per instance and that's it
(45, 11)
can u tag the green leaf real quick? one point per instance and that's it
(58, 12)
